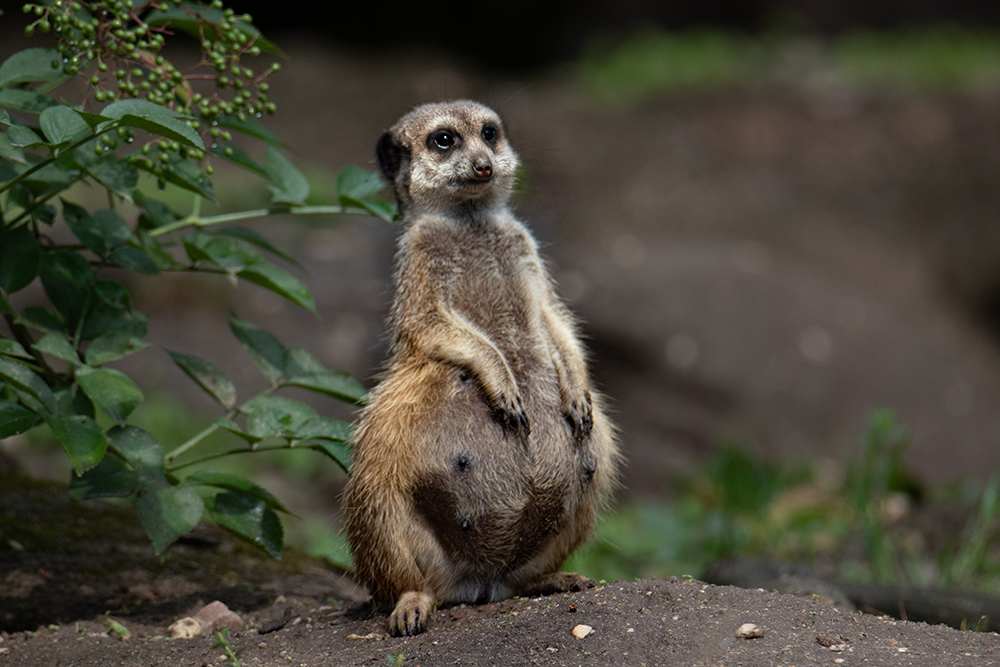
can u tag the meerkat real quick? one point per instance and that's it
(484, 455)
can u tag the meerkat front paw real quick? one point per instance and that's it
(579, 414)
(411, 613)
(509, 413)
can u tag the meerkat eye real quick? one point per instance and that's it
(490, 134)
(441, 140)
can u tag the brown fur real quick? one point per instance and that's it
(484, 455)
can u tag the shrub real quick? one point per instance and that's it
(144, 121)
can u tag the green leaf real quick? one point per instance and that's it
(155, 119)
(119, 629)
(42, 183)
(250, 518)
(253, 237)
(15, 419)
(40, 318)
(357, 183)
(276, 416)
(9, 152)
(325, 428)
(119, 176)
(157, 213)
(62, 125)
(22, 137)
(30, 65)
(112, 347)
(104, 318)
(208, 377)
(264, 347)
(82, 438)
(111, 229)
(339, 452)
(300, 362)
(91, 119)
(185, 174)
(381, 209)
(57, 345)
(100, 232)
(23, 378)
(112, 390)
(25, 101)
(12, 348)
(140, 449)
(280, 282)
(112, 478)
(164, 260)
(238, 156)
(20, 259)
(235, 429)
(134, 259)
(113, 294)
(228, 254)
(72, 401)
(236, 484)
(252, 128)
(337, 384)
(68, 281)
(167, 512)
(288, 183)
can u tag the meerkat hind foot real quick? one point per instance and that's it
(411, 613)
(561, 582)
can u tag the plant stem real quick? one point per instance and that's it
(29, 213)
(44, 163)
(209, 430)
(195, 220)
(241, 450)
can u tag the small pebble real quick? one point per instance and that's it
(215, 616)
(749, 631)
(184, 628)
(582, 631)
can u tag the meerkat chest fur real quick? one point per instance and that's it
(487, 275)
(484, 456)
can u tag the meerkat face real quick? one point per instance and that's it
(448, 156)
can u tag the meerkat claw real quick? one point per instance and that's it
(580, 417)
(512, 419)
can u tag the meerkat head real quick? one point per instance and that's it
(448, 157)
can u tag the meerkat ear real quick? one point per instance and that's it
(390, 156)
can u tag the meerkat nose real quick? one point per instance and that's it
(483, 169)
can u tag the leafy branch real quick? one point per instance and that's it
(141, 113)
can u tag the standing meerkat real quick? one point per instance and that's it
(484, 455)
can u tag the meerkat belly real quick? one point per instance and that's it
(492, 502)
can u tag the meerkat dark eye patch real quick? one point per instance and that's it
(442, 140)
(490, 134)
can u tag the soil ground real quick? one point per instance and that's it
(69, 568)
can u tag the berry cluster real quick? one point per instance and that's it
(121, 40)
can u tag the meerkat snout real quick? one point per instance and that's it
(483, 169)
